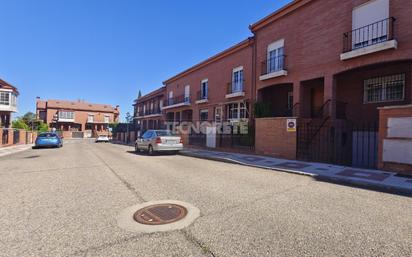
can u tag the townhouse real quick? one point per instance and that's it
(148, 110)
(216, 90)
(334, 64)
(326, 81)
(77, 118)
(8, 103)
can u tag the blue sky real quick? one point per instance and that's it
(104, 51)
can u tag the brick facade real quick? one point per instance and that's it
(314, 76)
(93, 119)
(148, 110)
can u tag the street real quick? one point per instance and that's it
(64, 202)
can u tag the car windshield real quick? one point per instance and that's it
(162, 133)
(47, 135)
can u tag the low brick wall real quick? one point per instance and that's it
(24, 137)
(395, 139)
(272, 138)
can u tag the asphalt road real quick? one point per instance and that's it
(64, 202)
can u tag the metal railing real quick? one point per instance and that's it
(273, 64)
(155, 110)
(237, 87)
(368, 35)
(178, 100)
(200, 95)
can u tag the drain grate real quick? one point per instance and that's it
(160, 214)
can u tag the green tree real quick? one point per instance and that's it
(19, 124)
(28, 118)
(42, 127)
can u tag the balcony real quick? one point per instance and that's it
(273, 67)
(8, 101)
(201, 97)
(376, 37)
(235, 89)
(177, 101)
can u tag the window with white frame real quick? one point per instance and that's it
(187, 94)
(275, 56)
(218, 114)
(4, 98)
(170, 98)
(204, 89)
(106, 118)
(236, 111)
(237, 80)
(66, 115)
(384, 89)
(13, 100)
(369, 23)
(90, 118)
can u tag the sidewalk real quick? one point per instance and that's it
(6, 150)
(370, 179)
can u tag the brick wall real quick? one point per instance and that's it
(384, 115)
(273, 139)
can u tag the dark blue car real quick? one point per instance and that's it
(48, 139)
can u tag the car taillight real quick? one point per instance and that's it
(158, 140)
(181, 140)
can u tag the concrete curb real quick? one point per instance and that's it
(324, 178)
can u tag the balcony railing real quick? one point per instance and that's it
(235, 87)
(200, 95)
(178, 100)
(154, 111)
(273, 64)
(368, 35)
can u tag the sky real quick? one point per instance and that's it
(105, 51)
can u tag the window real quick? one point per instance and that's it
(203, 89)
(13, 100)
(161, 104)
(66, 115)
(218, 114)
(384, 89)
(369, 23)
(187, 94)
(90, 118)
(170, 97)
(275, 56)
(238, 111)
(4, 98)
(237, 80)
(204, 115)
(42, 115)
(106, 119)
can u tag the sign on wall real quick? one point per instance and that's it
(291, 125)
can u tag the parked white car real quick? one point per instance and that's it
(102, 138)
(159, 141)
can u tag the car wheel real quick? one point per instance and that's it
(150, 150)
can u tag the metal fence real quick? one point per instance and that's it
(339, 142)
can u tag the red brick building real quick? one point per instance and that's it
(328, 65)
(148, 110)
(8, 102)
(77, 118)
(339, 61)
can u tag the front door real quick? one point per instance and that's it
(316, 100)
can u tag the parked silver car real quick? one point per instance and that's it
(159, 141)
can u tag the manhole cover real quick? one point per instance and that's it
(160, 214)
